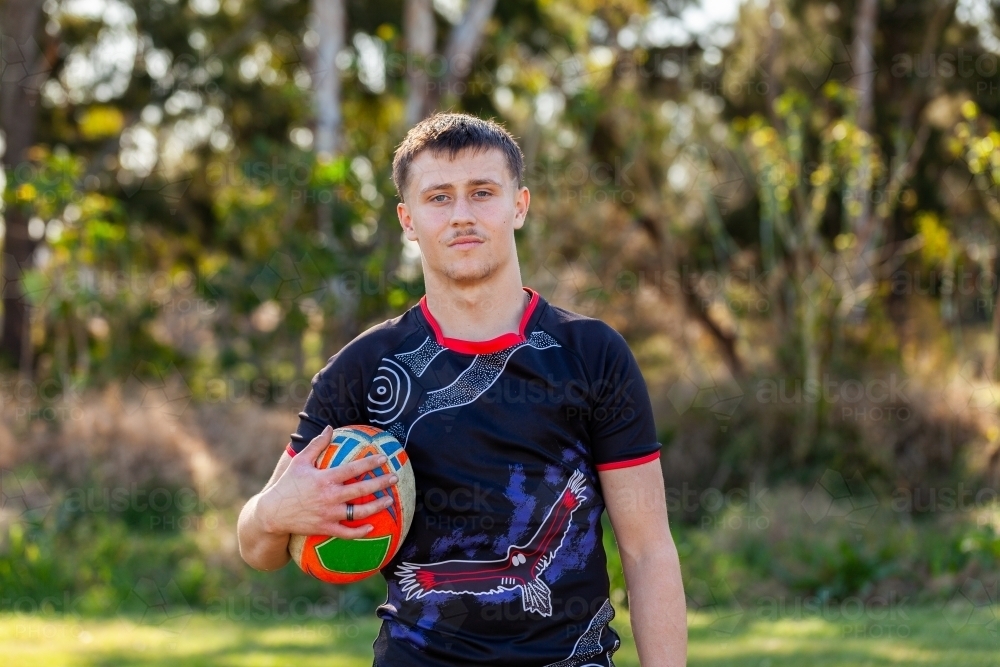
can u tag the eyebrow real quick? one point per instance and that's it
(473, 183)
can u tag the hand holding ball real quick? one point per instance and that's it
(340, 561)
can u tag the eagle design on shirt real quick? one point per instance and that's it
(520, 569)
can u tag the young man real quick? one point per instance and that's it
(523, 422)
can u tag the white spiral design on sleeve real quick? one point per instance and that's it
(390, 390)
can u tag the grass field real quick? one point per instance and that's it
(922, 636)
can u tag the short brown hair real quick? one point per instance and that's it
(453, 133)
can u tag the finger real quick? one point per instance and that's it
(316, 446)
(346, 532)
(354, 469)
(365, 510)
(348, 492)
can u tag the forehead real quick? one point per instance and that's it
(439, 167)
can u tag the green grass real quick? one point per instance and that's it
(921, 636)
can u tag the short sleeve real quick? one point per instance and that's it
(335, 399)
(623, 432)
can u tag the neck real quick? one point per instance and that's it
(477, 311)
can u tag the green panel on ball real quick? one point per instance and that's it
(350, 556)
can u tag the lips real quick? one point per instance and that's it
(465, 242)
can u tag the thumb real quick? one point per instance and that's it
(316, 446)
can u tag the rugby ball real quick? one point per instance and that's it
(340, 561)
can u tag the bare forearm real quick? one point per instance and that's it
(259, 547)
(656, 606)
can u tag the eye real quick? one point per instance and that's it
(482, 193)
(439, 198)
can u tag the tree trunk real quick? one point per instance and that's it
(805, 431)
(421, 34)
(863, 64)
(771, 76)
(461, 50)
(18, 115)
(331, 24)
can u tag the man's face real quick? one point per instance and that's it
(463, 213)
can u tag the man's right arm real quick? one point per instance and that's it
(300, 499)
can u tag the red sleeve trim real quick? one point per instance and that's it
(629, 462)
(288, 448)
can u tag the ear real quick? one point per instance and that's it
(521, 202)
(406, 221)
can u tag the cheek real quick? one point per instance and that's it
(430, 222)
(499, 213)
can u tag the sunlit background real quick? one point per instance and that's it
(790, 209)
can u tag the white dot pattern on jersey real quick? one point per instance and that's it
(419, 359)
(398, 431)
(470, 383)
(589, 643)
(480, 375)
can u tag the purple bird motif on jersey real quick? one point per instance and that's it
(521, 568)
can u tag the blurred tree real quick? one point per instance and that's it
(330, 17)
(683, 164)
(420, 31)
(24, 68)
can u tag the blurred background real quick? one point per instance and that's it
(790, 209)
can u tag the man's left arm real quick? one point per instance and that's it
(637, 507)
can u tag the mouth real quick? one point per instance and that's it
(464, 242)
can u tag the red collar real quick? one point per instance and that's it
(501, 342)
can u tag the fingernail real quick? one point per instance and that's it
(369, 528)
(394, 479)
(382, 459)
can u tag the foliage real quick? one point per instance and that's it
(776, 551)
(718, 193)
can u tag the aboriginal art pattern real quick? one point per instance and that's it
(521, 569)
(589, 643)
(396, 402)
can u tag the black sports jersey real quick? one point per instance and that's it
(504, 562)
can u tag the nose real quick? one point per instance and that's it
(462, 213)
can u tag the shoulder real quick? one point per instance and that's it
(585, 335)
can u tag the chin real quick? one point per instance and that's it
(469, 272)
